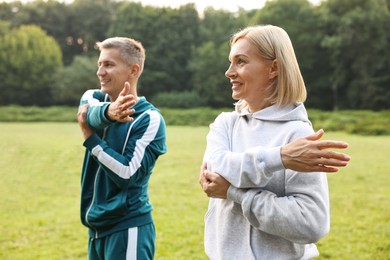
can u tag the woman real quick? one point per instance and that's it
(266, 210)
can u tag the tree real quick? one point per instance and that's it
(300, 20)
(72, 81)
(219, 25)
(52, 16)
(358, 39)
(209, 60)
(208, 71)
(168, 36)
(88, 22)
(28, 60)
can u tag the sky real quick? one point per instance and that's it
(200, 4)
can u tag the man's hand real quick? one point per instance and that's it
(82, 119)
(213, 184)
(308, 154)
(119, 109)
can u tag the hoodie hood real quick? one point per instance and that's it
(296, 112)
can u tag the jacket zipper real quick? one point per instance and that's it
(92, 202)
(94, 193)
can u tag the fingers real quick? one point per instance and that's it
(203, 166)
(126, 89)
(316, 136)
(120, 110)
(330, 162)
(126, 103)
(212, 176)
(82, 120)
(332, 144)
(202, 178)
(334, 156)
(323, 168)
(125, 115)
(82, 113)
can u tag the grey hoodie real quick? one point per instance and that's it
(271, 212)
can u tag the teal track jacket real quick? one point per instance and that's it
(118, 162)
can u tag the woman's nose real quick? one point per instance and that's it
(230, 73)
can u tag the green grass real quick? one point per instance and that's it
(39, 189)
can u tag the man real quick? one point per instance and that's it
(124, 135)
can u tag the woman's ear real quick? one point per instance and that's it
(273, 71)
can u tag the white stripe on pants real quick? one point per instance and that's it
(131, 253)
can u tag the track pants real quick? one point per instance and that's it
(136, 243)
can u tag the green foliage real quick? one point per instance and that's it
(218, 26)
(353, 122)
(52, 16)
(183, 99)
(40, 189)
(90, 21)
(300, 20)
(210, 58)
(209, 79)
(38, 114)
(72, 81)
(341, 46)
(360, 79)
(28, 60)
(4, 27)
(168, 36)
(191, 117)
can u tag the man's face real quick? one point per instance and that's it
(112, 72)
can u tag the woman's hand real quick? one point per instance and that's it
(213, 184)
(308, 154)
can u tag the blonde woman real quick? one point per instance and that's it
(259, 207)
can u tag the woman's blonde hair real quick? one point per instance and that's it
(273, 43)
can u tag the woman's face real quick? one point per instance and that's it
(250, 75)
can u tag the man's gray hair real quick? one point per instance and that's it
(131, 51)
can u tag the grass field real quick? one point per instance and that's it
(39, 189)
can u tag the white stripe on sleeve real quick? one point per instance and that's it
(126, 171)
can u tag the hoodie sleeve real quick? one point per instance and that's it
(251, 168)
(96, 115)
(301, 216)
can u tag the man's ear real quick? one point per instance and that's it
(134, 70)
(273, 71)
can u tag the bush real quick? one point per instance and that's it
(38, 114)
(353, 122)
(361, 122)
(192, 117)
(185, 99)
